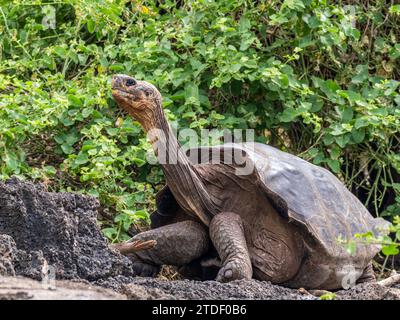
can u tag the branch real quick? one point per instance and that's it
(391, 281)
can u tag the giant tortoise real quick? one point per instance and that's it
(279, 222)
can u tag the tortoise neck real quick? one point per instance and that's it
(182, 177)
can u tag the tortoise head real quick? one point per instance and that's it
(140, 99)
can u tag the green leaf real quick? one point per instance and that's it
(244, 24)
(192, 94)
(342, 140)
(390, 250)
(289, 114)
(142, 214)
(73, 56)
(361, 74)
(139, 162)
(110, 233)
(71, 138)
(112, 131)
(74, 100)
(331, 85)
(328, 139)
(91, 26)
(82, 58)
(351, 247)
(294, 4)
(66, 148)
(117, 67)
(246, 43)
(234, 68)
(50, 170)
(11, 161)
(334, 165)
(395, 9)
(347, 114)
(60, 51)
(60, 138)
(335, 152)
(66, 121)
(87, 112)
(82, 158)
(361, 122)
(358, 135)
(328, 296)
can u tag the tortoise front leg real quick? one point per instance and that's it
(227, 235)
(174, 244)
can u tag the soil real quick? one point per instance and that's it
(46, 236)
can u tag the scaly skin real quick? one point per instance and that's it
(227, 235)
(368, 275)
(189, 236)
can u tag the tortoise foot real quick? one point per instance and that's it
(143, 269)
(227, 235)
(233, 270)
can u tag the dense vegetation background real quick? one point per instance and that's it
(316, 78)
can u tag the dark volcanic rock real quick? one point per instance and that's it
(148, 288)
(40, 229)
(369, 291)
(8, 250)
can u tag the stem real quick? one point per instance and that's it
(67, 59)
(16, 40)
(383, 267)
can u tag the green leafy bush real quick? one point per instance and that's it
(390, 244)
(316, 78)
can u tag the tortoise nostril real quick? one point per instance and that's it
(130, 82)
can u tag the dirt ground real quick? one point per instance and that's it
(46, 236)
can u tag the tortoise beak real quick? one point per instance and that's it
(115, 82)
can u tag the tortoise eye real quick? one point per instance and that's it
(130, 82)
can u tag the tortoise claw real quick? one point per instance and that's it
(137, 245)
(231, 271)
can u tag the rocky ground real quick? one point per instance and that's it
(46, 236)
